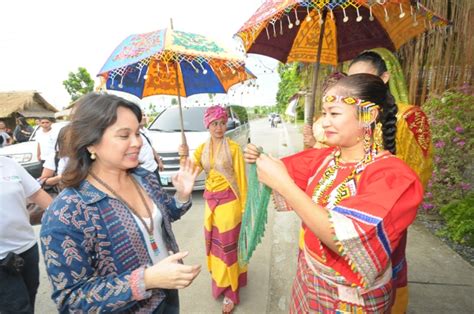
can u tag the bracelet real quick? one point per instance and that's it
(179, 203)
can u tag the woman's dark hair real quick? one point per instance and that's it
(93, 113)
(371, 88)
(61, 146)
(373, 58)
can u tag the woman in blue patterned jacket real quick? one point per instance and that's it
(107, 239)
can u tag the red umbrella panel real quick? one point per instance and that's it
(289, 30)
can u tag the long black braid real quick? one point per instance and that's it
(388, 118)
(371, 88)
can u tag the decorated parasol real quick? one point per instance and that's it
(170, 62)
(330, 32)
(321, 31)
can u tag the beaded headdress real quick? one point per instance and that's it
(363, 106)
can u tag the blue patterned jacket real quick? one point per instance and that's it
(91, 245)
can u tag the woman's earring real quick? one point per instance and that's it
(93, 156)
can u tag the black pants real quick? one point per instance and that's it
(170, 304)
(18, 291)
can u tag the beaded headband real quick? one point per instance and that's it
(363, 106)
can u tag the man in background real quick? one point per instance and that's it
(5, 139)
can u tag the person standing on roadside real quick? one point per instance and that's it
(22, 130)
(19, 256)
(148, 157)
(5, 139)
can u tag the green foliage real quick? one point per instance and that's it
(79, 83)
(451, 118)
(290, 83)
(459, 216)
(174, 101)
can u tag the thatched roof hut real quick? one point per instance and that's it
(29, 104)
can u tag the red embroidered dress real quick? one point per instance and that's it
(369, 215)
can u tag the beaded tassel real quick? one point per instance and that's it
(154, 246)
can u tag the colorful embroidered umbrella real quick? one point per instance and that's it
(332, 31)
(169, 62)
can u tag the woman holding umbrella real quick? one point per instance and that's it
(358, 201)
(225, 195)
(107, 238)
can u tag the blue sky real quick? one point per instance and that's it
(42, 41)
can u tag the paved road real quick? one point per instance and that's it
(440, 281)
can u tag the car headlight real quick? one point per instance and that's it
(20, 158)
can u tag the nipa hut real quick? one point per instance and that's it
(29, 104)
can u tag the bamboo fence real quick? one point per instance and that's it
(442, 58)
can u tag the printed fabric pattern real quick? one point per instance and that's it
(92, 244)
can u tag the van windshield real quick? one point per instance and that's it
(168, 120)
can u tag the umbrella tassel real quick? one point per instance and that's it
(308, 16)
(346, 18)
(297, 22)
(290, 25)
(371, 15)
(192, 65)
(274, 30)
(204, 71)
(402, 13)
(387, 18)
(281, 27)
(359, 17)
(268, 34)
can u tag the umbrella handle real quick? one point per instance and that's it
(310, 116)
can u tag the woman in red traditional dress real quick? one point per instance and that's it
(355, 200)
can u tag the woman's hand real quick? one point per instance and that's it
(183, 150)
(170, 274)
(183, 181)
(251, 153)
(272, 172)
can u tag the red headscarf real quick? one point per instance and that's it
(213, 113)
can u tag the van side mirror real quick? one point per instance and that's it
(231, 124)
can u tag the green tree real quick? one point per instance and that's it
(290, 83)
(174, 101)
(79, 83)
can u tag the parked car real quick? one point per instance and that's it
(26, 153)
(165, 133)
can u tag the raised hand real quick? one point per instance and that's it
(251, 153)
(183, 181)
(272, 172)
(170, 274)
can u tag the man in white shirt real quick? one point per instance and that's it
(46, 138)
(148, 157)
(19, 255)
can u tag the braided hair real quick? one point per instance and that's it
(371, 88)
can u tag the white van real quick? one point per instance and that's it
(26, 153)
(165, 133)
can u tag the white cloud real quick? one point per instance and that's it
(42, 41)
